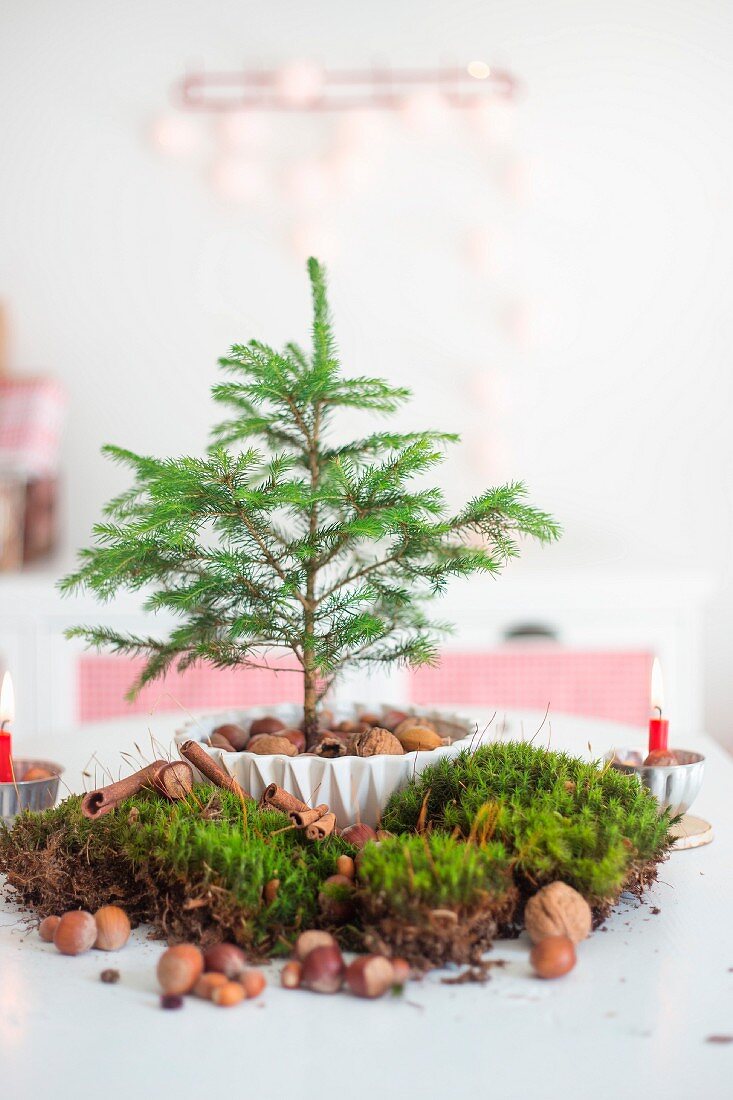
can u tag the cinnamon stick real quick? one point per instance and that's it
(173, 781)
(275, 798)
(197, 755)
(322, 828)
(302, 818)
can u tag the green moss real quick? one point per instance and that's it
(559, 817)
(207, 852)
(434, 871)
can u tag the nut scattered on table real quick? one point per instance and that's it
(553, 957)
(179, 968)
(75, 933)
(557, 910)
(113, 928)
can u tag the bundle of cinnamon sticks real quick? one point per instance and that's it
(175, 781)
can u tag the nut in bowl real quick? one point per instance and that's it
(674, 785)
(35, 787)
(343, 769)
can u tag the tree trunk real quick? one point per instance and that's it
(310, 700)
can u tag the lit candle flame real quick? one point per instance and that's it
(657, 693)
(7, 700)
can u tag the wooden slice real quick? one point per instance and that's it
(691, 832)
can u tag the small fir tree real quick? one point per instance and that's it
(282, 539)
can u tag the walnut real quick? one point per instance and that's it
(330, 745)
(557, 910)
(269, 744)
(376, 742)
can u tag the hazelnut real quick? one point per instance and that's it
(207, 983)
(370, 976)
(376, 742)
(179, 968)
(297, 737)
(557, 910)
(308, 941)
(323, 969)
(252, 982)
(335, 898)
(268, 725)
(553, 957)
(225, 958)
(218, 741)
(290, 974)
(113, 928)
(75, 933)
(266, 744)
(227, 995)
(270, 891)
(661, 758)
(418, 739)
(47, 928)
(236, 735)
(358, 835)
(401, 971)
(346, 866)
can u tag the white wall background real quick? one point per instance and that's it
(127, 276)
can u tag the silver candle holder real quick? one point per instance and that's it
(29, 794)
(675, 786)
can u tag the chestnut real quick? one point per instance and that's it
(268, 724)
(308, 941)
(225, 958)
(237, 736)
(358, 834)
(370, 976)
(323, 970)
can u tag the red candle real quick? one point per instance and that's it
(658, 726)
(7, 713)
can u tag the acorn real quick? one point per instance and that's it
(113, 928)
(236, 735)
(227, 995)
(225, 958)
(370, 976)
(75, 933)
(207, 983)
(401, 971)
(179, 968)
(553, 957)
(290, 974)
(268, 724)
(308, 941)
(323, 970)
(47, 928)
(252, 982)
(345, 866)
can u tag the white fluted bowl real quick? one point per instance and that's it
(355, 788)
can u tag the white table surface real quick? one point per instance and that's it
(631, 1019)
